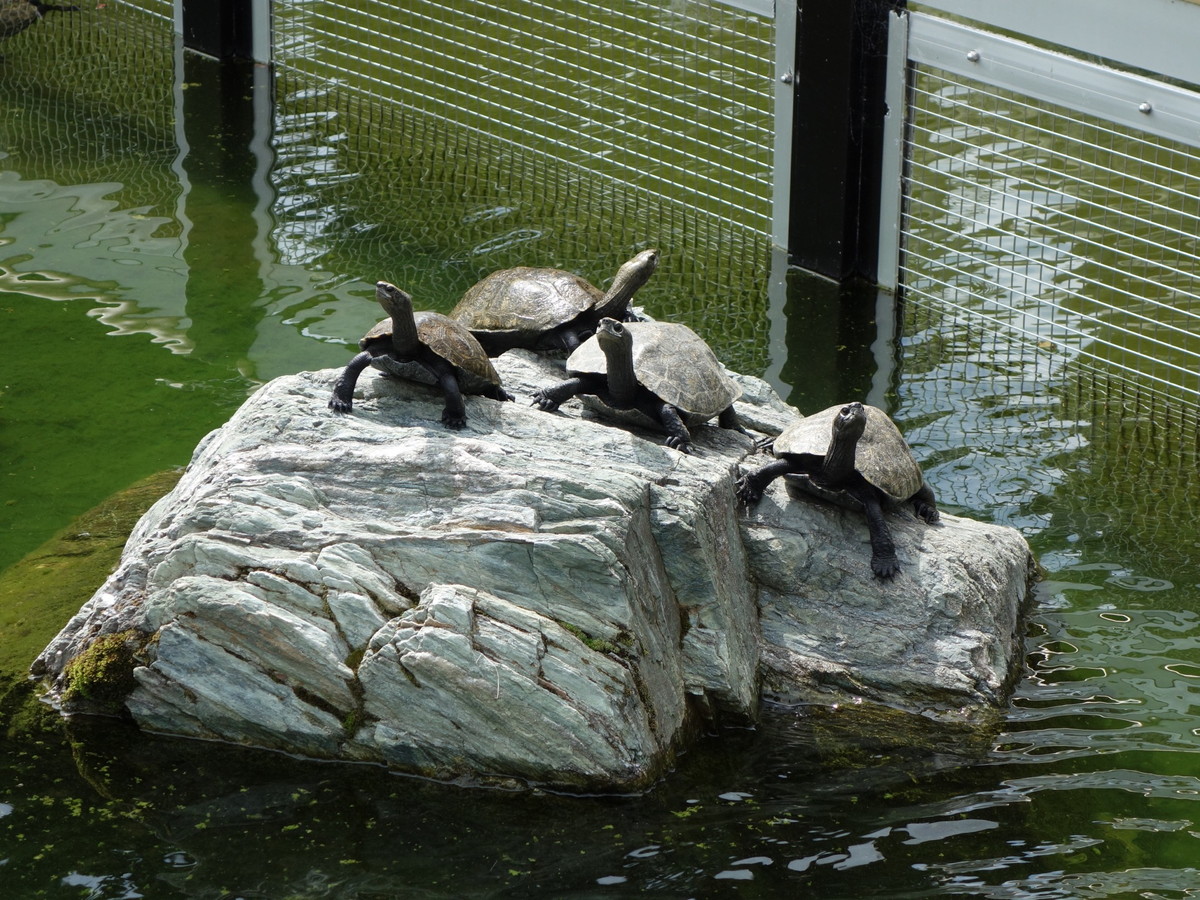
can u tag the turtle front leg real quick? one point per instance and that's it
(569, 338)
(553, 397)
(883, 549)
(343, 390)
(678, 435)
(749, 488)
(454, 414)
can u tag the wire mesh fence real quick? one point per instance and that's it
(454, 139)
(1075, 235)
(674, 99)
(1051, 285)
(72, 65)
(88, 144)
(604, 129)
(359, 180)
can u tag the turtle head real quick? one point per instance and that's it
(392, 299)
(616, 343)
(640, 267)
(850, 422)
(611, 333)
(848, 427)
(631, 276)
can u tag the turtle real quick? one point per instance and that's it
(547, 309)
(421, 346)
(855, 456)
(663, 370)
(17, 15)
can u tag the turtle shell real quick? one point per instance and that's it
(882, 457)
(672, 362)
(15, 17)
(526, 300)
(444, 336)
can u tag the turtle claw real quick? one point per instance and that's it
(500, 394)
(764, 444)
(542, 402)
(680, 444)
(339, 405)
(885, 566)
(746, 495)
(450, 420)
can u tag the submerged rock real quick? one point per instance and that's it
(545, 597)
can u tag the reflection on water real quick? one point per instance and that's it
(92, 244)
(143, 293)
(1079, 236)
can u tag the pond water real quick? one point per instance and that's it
(138, 308)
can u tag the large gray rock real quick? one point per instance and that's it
(539, 596)
(944, 627)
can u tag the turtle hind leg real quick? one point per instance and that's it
(925, 503)
(496, 392)
(729, 419)
(750, 487)
(343, 389)
(454, 413)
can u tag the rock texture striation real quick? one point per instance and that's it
(540, 596)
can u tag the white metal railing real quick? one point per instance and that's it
(1123, 98)
(1047, 195)
(1152, 35)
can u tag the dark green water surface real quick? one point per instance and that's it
(153, 272)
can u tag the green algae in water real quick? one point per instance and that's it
(108, 381)
(43, 590)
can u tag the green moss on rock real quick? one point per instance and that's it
(592, 643)
(21, 713)
(101, 677)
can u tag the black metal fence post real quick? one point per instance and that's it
(841, 68)
(224, 29)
